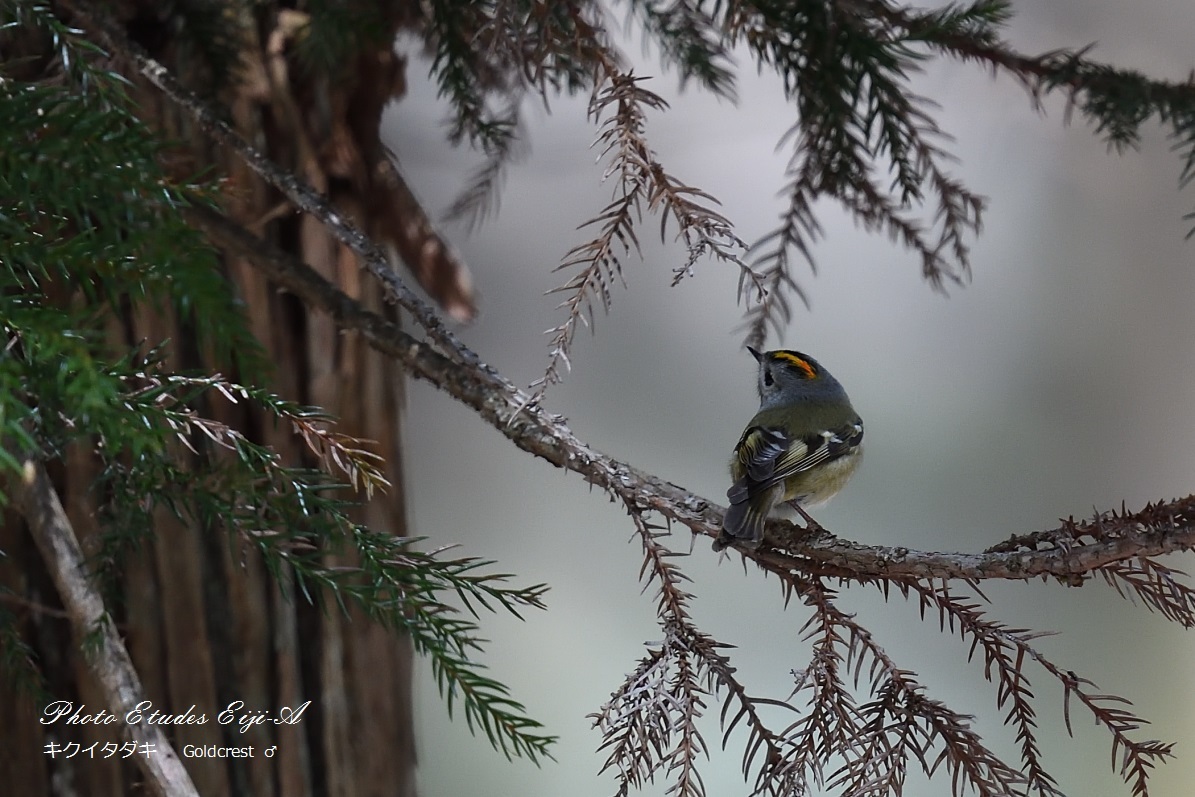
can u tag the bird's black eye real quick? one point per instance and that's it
(768, 379)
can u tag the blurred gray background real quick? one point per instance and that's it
(1061, 380)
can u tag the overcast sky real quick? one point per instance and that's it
(1061, 380)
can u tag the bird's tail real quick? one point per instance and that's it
(745, 517)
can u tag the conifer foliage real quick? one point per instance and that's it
(143, 240)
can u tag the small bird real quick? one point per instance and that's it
(801, 447)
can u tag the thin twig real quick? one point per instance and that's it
(34, 606)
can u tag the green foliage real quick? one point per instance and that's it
(202, 31)
(18, 662)
(415, 581)
(690, 39)
(71, 53)
(90, 231)
(460, 72)
(298, 521)
(336, 31)
(85, 204)
(88, 223)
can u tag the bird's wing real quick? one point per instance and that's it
(769, 456)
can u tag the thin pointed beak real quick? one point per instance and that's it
(755, 353)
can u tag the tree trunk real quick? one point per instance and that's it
(206, 625)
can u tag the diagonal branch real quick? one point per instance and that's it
(109, 662)
(1068, 552)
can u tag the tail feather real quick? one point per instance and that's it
(745, 517)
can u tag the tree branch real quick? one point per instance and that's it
(1072, 550)
(1067, 552)
(34, 497)
(649, 726)
(1058, 68)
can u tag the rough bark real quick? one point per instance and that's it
(203, 621)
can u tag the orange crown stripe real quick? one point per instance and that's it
(801, 363)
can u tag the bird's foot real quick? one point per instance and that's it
(811, 525)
